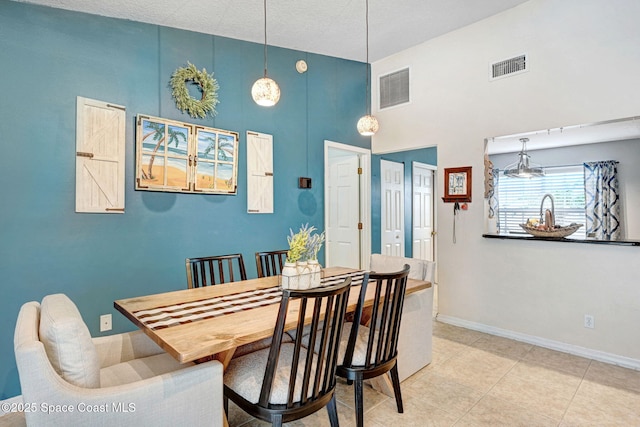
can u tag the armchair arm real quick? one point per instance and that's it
(120, 348)
(191, 396)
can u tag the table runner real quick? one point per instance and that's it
(178, 314)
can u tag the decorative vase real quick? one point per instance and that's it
(305, 275)
(315, 269)
(290, 277)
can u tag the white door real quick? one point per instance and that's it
(392, 215)
(422, 211)
(343, 234)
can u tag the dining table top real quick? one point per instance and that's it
(193, 324)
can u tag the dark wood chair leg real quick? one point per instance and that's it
(395, 379)
(276, 421)
(333, 412)
(226, 405)
(359, 401)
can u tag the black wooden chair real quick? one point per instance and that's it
(286, 382)
(270, 263)
(214, 270)
(371, 351)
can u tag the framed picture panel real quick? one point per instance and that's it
(187, 158)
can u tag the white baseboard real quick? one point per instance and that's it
(600, 356)
(15, 399)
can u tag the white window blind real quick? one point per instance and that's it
(519, 198)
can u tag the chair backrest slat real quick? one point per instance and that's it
(386, 316)
(270, 263)
(314, 361)
(213, 270)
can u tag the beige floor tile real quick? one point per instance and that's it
(442, 393)
(537, 388)
(446, 348)
(614, 376)
(439, 357)
(415, 414)
(500, 345)
(236, 416)
(455, 333)
(13, 419)
(345, 395)
(601, 405)
(565, 362)
(477, 369)
(494, 412)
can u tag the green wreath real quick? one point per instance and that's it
(207, 85)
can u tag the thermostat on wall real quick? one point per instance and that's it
(304, 182)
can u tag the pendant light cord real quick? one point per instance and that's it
(367, 101)
(265, 38)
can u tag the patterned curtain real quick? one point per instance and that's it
(603, 213)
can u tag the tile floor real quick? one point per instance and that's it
(477, 379)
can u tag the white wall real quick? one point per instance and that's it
(585, 68)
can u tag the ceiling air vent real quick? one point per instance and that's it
(508, 67)
(394, 88)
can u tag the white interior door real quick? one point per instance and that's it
(343, 233)
(392, 215)
(422, 236)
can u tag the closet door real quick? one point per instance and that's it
(259, 173)
(100, 154)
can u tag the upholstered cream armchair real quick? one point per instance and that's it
(70, 379)
(416, 328)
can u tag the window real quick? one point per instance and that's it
(519, 198)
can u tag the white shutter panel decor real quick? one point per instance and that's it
(100, 154)
(259, 172)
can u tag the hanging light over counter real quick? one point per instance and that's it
(265, 91)
(523, 168)
(368, 124)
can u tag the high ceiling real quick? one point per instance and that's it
(329, 27)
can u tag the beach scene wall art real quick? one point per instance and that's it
(180, 157)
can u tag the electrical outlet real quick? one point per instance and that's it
(589, 321)
(105, 322)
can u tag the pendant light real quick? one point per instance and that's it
(523, 168)
(265, 91)
(368, 125)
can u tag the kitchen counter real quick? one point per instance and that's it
(562, 239)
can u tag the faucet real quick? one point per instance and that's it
(550, 219)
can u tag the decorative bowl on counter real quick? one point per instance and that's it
(557, 231)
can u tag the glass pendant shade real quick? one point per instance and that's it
(523, 168)
(368, 125)
(265, 92)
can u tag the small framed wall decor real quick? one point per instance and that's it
(457, 184)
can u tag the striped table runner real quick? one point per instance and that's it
(178, 314)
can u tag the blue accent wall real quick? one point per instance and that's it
(423, 155)
(48, 57)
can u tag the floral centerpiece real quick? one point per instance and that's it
(302, 270)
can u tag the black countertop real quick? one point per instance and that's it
(562, 239)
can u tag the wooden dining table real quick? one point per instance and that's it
(197, 324)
